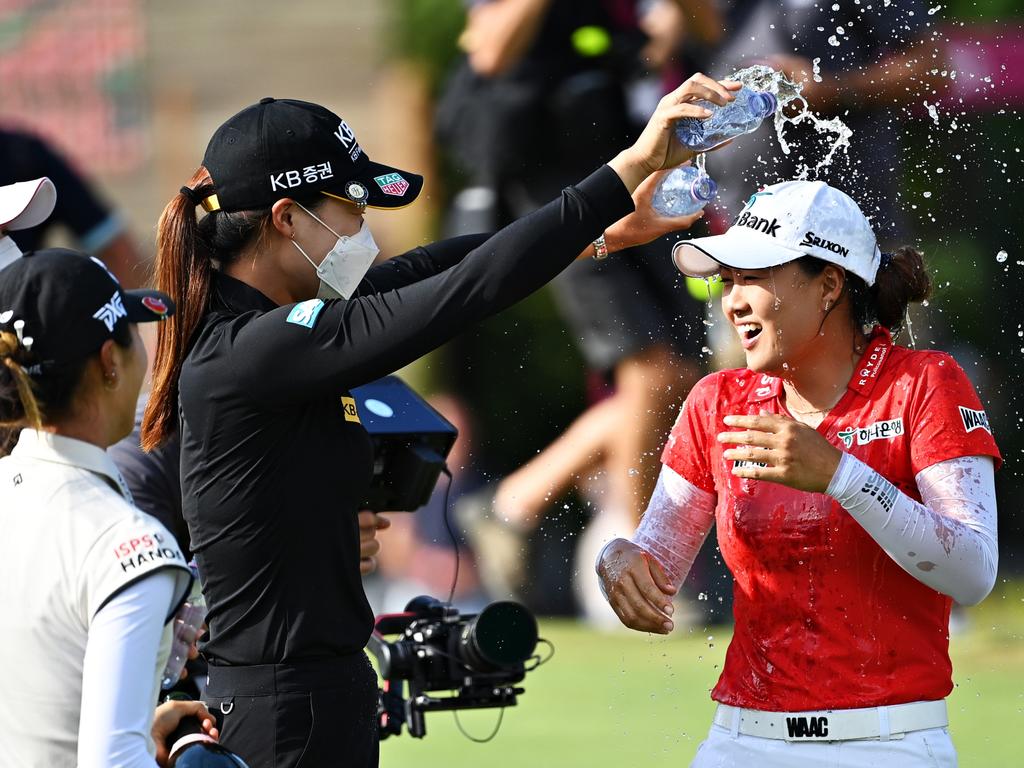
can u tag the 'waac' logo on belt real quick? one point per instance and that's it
(349, 410)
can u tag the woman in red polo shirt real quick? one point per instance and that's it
(851, 481)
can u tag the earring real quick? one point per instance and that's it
(110, 382)
(828, 303)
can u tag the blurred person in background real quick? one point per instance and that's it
(864, 62)
(88, 629)
(96, 228)
(852, 485)
(546, 91)
(282, 315)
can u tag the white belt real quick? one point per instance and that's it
(882, 723)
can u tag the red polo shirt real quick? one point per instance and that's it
(825, 619)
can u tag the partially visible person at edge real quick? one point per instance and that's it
(88, 634)
(96, 227)
(280, 320)
(851, 482)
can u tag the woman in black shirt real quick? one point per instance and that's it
(274, 460)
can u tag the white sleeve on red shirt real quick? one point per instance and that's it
(678, 519)
(119, 674)
(948, 540)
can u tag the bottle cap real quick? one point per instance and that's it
(703, 189)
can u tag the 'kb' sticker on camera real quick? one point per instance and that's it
(880, 430)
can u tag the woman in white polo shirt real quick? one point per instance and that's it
(850, 480)
(87, 581)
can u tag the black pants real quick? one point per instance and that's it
(299, 715)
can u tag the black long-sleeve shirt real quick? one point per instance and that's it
(274, 460)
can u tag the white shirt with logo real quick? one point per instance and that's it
(71, 541)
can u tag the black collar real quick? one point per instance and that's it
(228, 293)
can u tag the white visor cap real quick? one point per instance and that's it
(27, 203)
(784, 222)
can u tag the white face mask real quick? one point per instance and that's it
(345, 264)
(9, 251)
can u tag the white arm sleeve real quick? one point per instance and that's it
(119, 686)
(948, 540)
(678, 519)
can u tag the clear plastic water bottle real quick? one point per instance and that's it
(186, 625)
(683, 191)
(734, 119)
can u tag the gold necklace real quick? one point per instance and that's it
(808, 413)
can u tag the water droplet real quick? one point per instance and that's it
(633, 472)
(1002, 256)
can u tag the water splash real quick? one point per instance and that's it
(764, 78)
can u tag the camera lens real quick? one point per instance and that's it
(502, 635)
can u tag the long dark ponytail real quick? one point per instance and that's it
(186, 249)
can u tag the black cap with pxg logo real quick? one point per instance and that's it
(63, 305)
(287, 148)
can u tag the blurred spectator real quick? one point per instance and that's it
(870, 61)
(577, 70)
(418, 555)
(153, 477)
(96, 228)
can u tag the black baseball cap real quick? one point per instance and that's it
(64, 304)
(287, 148)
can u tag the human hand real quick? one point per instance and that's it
(658, 148)
(167, 718)
(193, 651)
(369, 524)
(644, 224)
(636, 586)
(796, 455)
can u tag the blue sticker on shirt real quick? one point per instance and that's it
(305, 312)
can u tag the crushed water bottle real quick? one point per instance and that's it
(734, 119)
(186, 625)
(683, 192)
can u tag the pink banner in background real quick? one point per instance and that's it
(72, 71)
(988, 62)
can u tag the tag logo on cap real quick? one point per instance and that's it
(111, 312)
(155, 305)
(392, 184)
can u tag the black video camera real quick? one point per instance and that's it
(479, 657)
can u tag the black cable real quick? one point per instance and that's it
(497, 727)
(546, 659)
(451, 533)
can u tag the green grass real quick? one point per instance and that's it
(633, 700)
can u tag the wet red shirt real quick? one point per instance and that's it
(825, 619)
